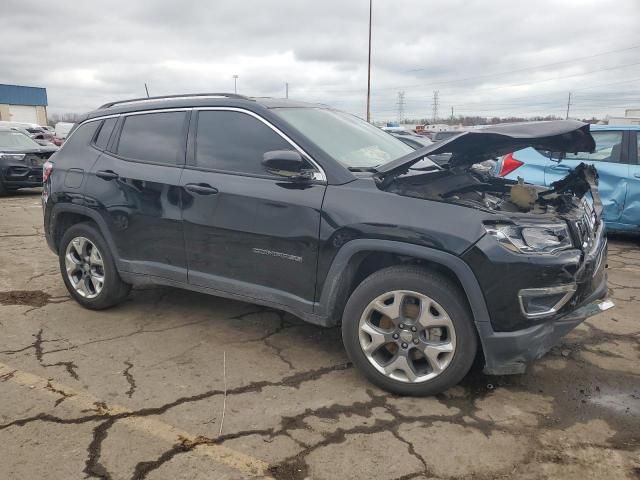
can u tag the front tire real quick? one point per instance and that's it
(409, 331)
(88, 268)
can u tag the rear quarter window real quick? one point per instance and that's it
(106, 128)
(76, 144)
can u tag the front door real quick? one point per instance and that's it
(247, 232)
(612, 162)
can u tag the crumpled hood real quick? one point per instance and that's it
(474, 146)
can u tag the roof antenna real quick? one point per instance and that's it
(146, 88)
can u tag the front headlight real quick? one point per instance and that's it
(12, 156)
(534, 238)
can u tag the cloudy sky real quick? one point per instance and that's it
(497, 57)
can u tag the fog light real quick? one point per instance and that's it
(542, 302)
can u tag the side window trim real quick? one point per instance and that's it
(319, 174)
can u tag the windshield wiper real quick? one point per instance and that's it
(362, 169)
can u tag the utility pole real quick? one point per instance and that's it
(568, 105)
(400, 106)
(146, 88)
(436, 93)
(235, 84)
(286, 90)
(452, 115)
(369, 66)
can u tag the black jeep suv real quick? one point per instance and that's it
(304, 208)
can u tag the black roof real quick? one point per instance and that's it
(195, 100)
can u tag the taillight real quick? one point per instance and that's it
(47, 168)
(509, 164)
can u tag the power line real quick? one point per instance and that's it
(501, 87)
(577, 59)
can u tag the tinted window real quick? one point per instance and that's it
(76, 144)
(105, 132)
(153, 137)
(608, 148)
(234, 142)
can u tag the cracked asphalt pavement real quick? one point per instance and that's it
(139, 391)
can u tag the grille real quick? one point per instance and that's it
(585, 227)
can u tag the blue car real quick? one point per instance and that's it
(615, 158)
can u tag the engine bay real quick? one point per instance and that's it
(482, 190)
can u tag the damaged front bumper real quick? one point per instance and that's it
(509, 353)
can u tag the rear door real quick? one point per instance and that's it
(134, 186)
(247, 231)
(611, 159)
(631, 214)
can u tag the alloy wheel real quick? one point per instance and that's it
(85, 267)
(407, 336)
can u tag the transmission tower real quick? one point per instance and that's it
(400, 104)
(436, 93)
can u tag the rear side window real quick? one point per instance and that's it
(234, 142)
(153, 137)
(105, 132)
(608, 148)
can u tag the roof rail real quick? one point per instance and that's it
(169, 97)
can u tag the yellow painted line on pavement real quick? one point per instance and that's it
(220, 454)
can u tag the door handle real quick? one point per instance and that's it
(107, 175)
(637, 175)
(561, 167)
(200, 188)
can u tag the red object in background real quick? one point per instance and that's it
(47, 168)
(509, 164)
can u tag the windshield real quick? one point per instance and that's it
(350, 140)
(16, 140)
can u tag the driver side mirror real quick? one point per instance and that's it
(286, 163)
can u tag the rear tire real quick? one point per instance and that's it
(3, 190)
(409, 331)
(88, 268)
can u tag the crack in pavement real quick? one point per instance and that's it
(70, 366)
(64, 395)
(93, 467)
(130, 380)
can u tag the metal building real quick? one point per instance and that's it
(23, 104)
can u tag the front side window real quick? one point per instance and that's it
(234, 142)
(347, 138)
(153, 137)
(608, 148)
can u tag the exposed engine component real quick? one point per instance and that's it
(494, 193)
(524, 196)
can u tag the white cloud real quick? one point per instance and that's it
(479, 55)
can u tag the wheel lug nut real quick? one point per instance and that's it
(396, 336)
(401, 325)
(416, 341)
(404, 345)
(414, 329)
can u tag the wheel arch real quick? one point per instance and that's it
(349, 268)
(64, 216)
